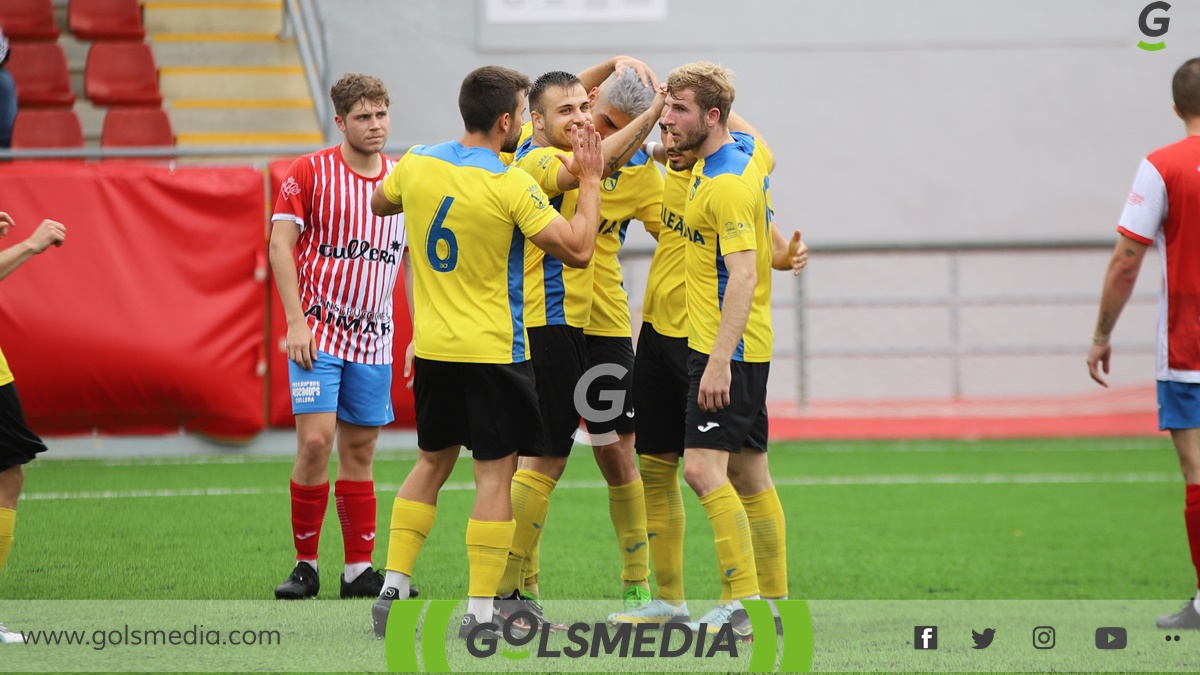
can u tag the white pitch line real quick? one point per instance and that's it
(787, 481)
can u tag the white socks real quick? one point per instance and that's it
(355, 570)
(399, 581)
(481, 608)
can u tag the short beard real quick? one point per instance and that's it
(511, 141)
(691, 141)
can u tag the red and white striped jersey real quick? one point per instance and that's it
(1163, 208)
(347, 258)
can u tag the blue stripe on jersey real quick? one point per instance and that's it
(731, 157)
(455, 153)
(640, 158)
(516, 293)
(523, 149)
(624, 229)
(722, 281)
(555, 291)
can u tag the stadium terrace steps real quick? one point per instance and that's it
(175, 16)
(227, 75)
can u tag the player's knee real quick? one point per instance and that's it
(702, 478)
(11, 482)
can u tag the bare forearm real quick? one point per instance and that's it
(287, 280)
(623, 145)
(1118, 287)
(585, 225)
(735, 313)
(597, 74)
(780, 260)
(13, 257)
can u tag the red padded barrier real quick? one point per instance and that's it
(151, 317)
(279, 407)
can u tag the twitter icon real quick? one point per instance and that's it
(983, 640)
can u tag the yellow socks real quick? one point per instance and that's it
(735, 552)
(767, 531)
(488, 543)
(530, 502)
(8, 522)
(665, 524)
(411, 523)
(627, 508)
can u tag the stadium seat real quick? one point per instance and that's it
(47, 128)
(136, 128)
(28, 20)
(121, 73)
(105, 19)
(40, 71)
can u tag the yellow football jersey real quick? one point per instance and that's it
(665, 306)
(728, 210)
(526, 133)
(6, 375)
(467, 217)
(555, 295)
(635, 192)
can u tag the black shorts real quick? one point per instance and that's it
(490, 408)
(614, 412)
(741, 424)
(660, 390)
(559, 357)
(18, 444)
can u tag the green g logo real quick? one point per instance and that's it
(1159, 29)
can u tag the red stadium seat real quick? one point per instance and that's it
(136, 128)
(121, 73)
(40, 71)
(47, 128)
(28, 19)
(105, 19)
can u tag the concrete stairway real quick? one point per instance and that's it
(226, 74)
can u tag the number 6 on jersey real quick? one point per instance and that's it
(438, 234)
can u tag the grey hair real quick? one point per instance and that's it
(624, 91)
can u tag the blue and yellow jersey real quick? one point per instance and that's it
(635, 192)
(467, 217)
(6, 375)
(526, 133)
(728, 211)
(665, 306)
(555, 295)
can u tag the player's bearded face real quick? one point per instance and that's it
(513, 138)
(686, 125)
(678, 160)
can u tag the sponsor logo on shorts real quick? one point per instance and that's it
(306, 391)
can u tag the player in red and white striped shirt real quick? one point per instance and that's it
(336, 265)
(1164, 209)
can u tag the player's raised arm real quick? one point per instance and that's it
(739, 123)
(574, 241)
(48, 233)
(618, 148)
(595, 75)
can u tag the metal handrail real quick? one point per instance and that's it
(297, 22)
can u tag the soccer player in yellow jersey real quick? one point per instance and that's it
(727, 263)
(558, 309)
(468, 217)
(660, 392)
(18, 443)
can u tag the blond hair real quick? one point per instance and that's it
(711, 84)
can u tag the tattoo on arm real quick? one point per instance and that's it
(615, 162)
(1105, 325)
(1129, 253)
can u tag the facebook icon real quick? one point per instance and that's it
(925, 637)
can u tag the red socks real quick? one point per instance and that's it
(356, 509)
(308, 511)
(1191, 516)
